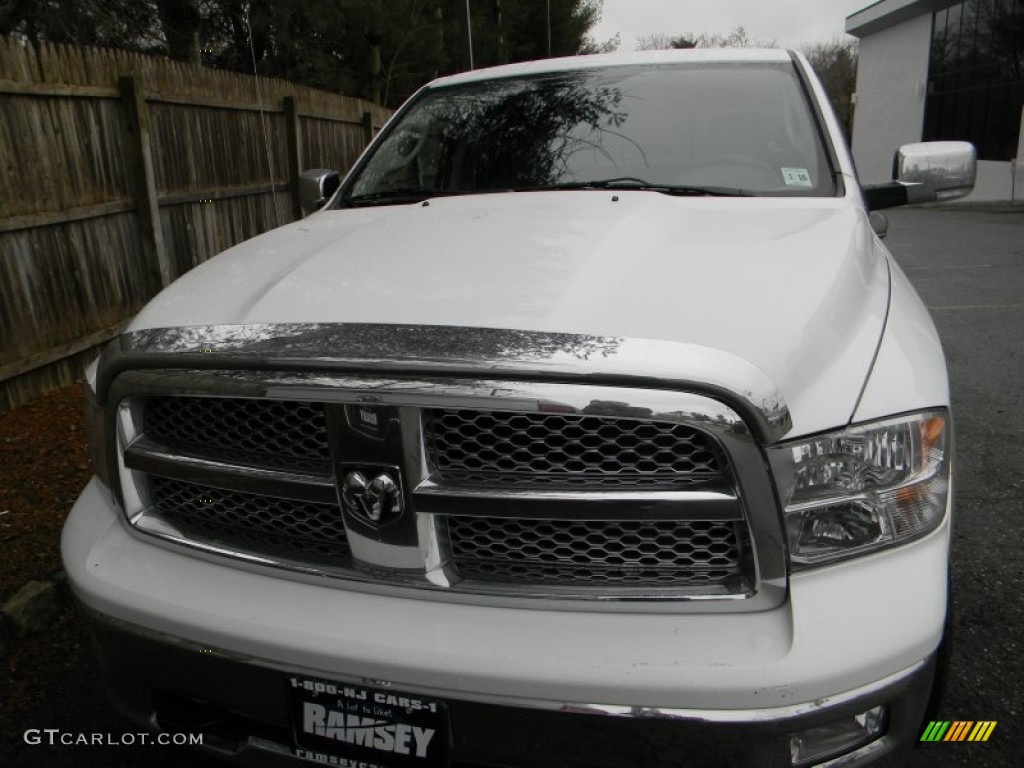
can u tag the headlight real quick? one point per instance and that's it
(864, 488)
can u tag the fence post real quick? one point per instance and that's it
(367, 128)
(294, 136)
(137, 113)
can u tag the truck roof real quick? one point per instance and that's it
(566, 63)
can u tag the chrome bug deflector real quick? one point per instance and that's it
(460, 352)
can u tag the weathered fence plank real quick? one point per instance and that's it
(293, 132)
(137, 114)
(50, 89)
(222, 193)
(121, 172)
(66, 281)
(33, 220)
(56, 354)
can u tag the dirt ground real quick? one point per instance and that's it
(44, 464)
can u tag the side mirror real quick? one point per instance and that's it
(879, 224)
(928, 172)
(316, 187)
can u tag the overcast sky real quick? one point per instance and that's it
(791, 23)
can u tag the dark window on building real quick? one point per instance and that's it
(976, 78)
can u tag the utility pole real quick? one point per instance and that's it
(469, 36)
(439, 49)
(549, 29)
(502, 58)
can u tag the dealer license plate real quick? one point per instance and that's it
(352, 726)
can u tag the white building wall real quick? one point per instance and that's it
(892, 77)
(1001, 180)
(994, 182)
(892, 80)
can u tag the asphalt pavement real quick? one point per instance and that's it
(968, 266)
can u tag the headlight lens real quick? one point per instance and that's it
(866, 487)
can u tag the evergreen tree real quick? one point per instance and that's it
(382, 50)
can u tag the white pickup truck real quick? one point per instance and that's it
(588, 422)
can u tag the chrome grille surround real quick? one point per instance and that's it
(749, 576)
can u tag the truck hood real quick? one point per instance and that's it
(794, 287)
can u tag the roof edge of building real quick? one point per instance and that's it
(889, 13)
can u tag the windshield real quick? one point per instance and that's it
(742, 128)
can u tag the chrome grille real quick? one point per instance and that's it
(616, 506)
(261, 524)
(265, 431)
(513, 448)
(620, 552)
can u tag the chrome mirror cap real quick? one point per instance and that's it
(316, 186)
(938, 170)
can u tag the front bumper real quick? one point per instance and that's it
(241, 706)
(194, 643)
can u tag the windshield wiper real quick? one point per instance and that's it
(407, 195)
(633, 183)
(619, 182)
(386, 197)
(699, 191)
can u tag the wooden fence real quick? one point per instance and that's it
(119, 172)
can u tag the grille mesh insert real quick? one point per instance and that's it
(625, 552)
(263, 524)
(504, 447)
(266, 431)
(468, 447)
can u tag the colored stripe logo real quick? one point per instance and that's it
(958, 730)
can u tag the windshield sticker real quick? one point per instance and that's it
(797, 177)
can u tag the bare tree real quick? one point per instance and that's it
(129, 24)
(835, 63)
(590, 45)
(737, 38)
(181, 21)
(660, 41)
